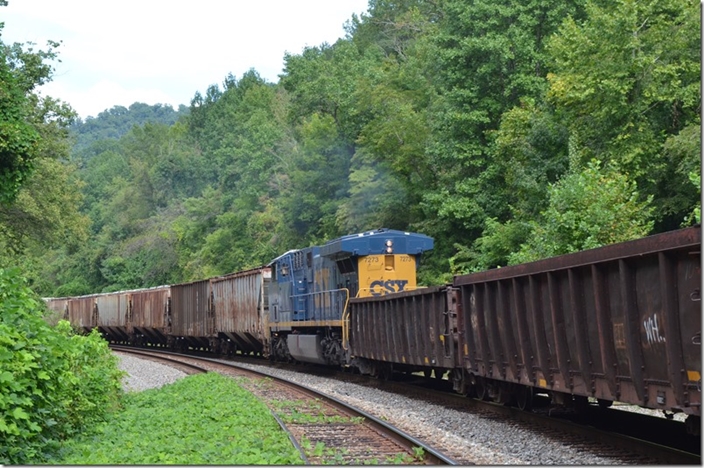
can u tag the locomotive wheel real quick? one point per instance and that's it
(524, 397)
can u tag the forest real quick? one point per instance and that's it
(509, 131)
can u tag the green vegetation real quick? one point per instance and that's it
(116, 122)
(204, 419)
(305, 412)
(493, 128)
(52, 381)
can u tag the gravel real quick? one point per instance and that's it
(466, 437)
(143, 374)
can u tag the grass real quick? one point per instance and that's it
(204, 419)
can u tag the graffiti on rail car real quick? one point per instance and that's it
(652, 330)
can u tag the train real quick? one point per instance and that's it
(619, 323)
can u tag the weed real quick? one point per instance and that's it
(418, 453)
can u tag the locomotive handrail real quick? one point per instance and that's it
(346, 322)
(325, 310)
(345, 312)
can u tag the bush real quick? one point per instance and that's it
(588, 208)
(52, 381)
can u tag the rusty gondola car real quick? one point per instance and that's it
(616, 323)
(58, 305)
(111, 312)
(82, 312)
(411, 331)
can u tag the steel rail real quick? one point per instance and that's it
(431, 456)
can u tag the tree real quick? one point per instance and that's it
(21, 71)
(530, 152)
(625, 80)
(115, 122)
(489, 58)
(394, 98)
(588, 208)
(44, 213)
(317, 180)
(39, 194)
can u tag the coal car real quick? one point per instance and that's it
(616, 323)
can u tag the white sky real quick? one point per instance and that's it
(118, 52)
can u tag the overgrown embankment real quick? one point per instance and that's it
(53, 382)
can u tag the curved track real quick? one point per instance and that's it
(324, 429)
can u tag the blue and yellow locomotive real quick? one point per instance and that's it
(310, 290)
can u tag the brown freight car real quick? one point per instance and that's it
(240, 304)
(193, 324)
(149, 317)
(616, 323)
(83, 313)
(58, 305)
(408, 331)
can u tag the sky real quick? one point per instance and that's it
(164, 51)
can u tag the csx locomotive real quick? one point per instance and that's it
(311, 288)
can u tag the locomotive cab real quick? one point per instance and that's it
(311, 287)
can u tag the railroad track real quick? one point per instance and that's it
(630, 437)
(598, 437)
(324, 429)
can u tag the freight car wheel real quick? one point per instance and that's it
(384, 371)
(501, 393)
(693, 425)
(604, 403)
(524, 397)
(460, 382)
(580, 403)
(481, 389)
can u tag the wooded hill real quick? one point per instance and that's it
(508, 131)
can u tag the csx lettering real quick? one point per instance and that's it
(379, 287)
